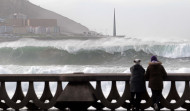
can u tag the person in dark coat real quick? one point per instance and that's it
(155, 73)
(137, 84)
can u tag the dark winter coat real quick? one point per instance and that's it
(155, 74)
(137, 80)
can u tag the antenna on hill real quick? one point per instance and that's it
(114, 25)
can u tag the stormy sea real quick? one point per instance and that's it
(100, 55)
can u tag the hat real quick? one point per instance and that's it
(154, 58)
(137, 61)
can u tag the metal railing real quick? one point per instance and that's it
(79, 94)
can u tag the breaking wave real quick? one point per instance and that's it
(106, 45)
(90, 52)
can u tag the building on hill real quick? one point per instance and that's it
(17, 20)
(43, 26)
(9, 7)
(18, 16)
(42, 22)
(22, 25)
(4, 28)
(1, 20)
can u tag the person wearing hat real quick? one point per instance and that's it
(137, 84)
(155, 73)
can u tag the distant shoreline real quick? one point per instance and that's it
(10, 39)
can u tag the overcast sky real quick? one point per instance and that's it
(135, 18)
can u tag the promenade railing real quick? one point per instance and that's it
(79, 94)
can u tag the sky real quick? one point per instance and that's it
(134, 18)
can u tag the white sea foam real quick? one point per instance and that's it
(10, 69)
(5, 71)
(58, 69)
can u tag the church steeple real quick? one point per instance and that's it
(114, 25)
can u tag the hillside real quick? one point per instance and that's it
(8, 7)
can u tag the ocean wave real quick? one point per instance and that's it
(48, 56)
(52, 56)
(107, 45)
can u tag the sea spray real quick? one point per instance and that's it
(104, 55)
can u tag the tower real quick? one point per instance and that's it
(114, 25)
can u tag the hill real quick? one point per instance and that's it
(9, 7)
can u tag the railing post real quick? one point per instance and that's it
(77, 96)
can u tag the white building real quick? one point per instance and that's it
(6, 29)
